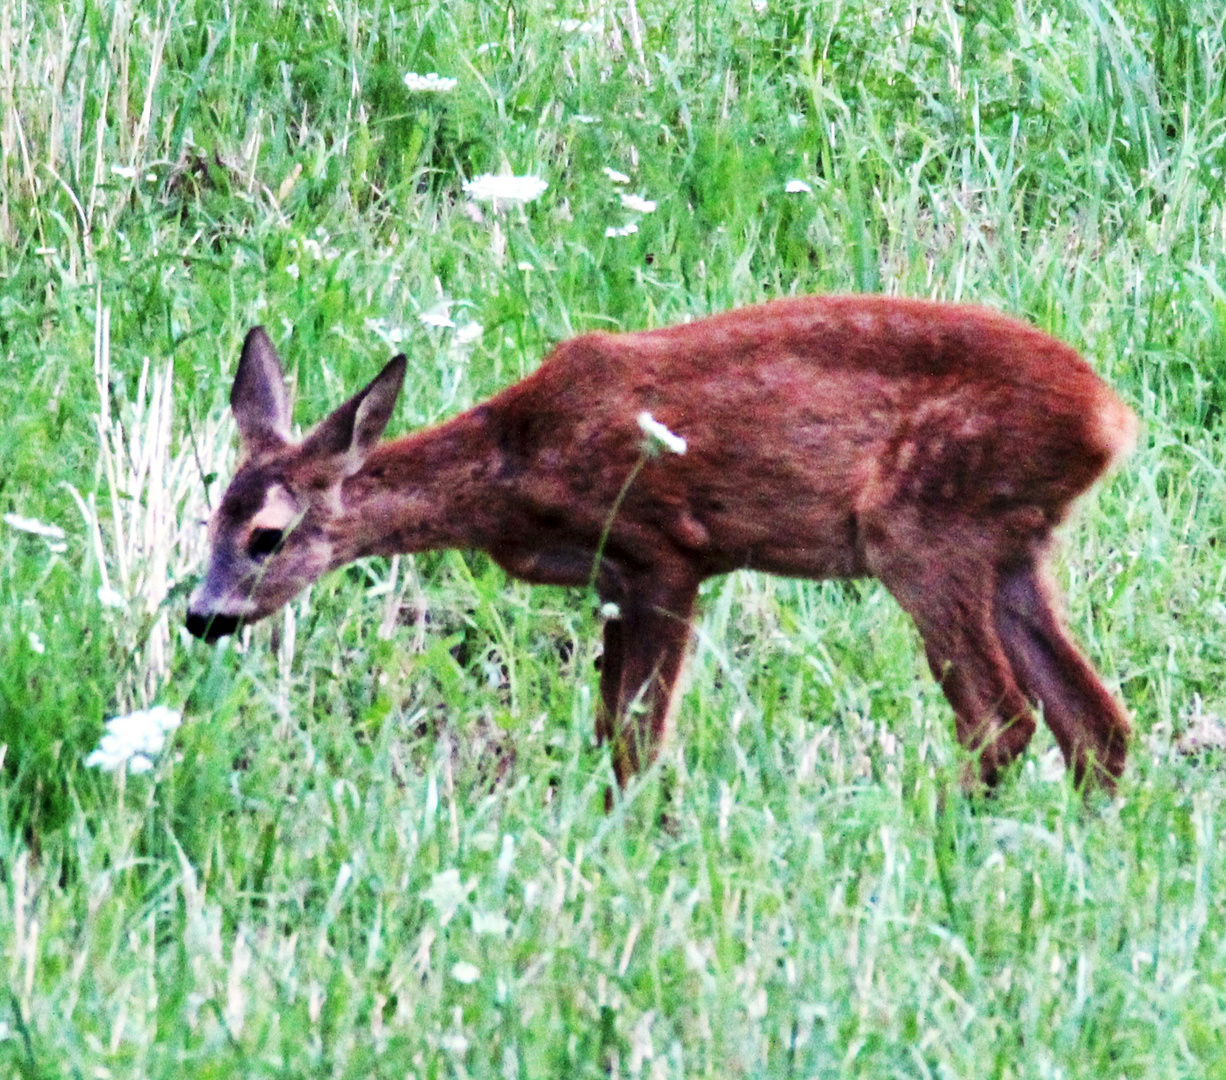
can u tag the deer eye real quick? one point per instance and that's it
(263, 542)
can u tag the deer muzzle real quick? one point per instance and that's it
(211, 625)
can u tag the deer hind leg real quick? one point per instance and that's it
(1088, 724)
(639, 689)
(949, 597)
(994, 721)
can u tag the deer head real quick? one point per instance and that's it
(274, 532)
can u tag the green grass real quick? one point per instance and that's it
(399, 777)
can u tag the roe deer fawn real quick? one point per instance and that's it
(933, 446)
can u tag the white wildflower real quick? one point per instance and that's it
(391, 335)
(638, 205)
(609, 610)
(447, 893)
(759, 6)
(797, 187)
(430, 83)
(110, 597)
(584, 118)
(34, 526)
(615, 176)
(469, 332)
(520, 189)
(292, 270)
(437, 317)
(465, 973)
(629, 229)
(524, 266)
(134, 739)
(492, 922)
(658, 433)
(125, 172)
(317, 249)
(36, 643)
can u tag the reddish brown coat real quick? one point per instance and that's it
(933, 446)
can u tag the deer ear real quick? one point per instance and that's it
(258, 399)
(353, 429)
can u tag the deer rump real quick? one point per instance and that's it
(932, 446)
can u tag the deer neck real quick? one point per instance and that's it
(428, 491)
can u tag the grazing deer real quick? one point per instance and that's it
(932, 446)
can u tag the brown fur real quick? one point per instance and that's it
(933, 446)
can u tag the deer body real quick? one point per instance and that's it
(932, 446)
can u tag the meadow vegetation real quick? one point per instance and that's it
(376, 846)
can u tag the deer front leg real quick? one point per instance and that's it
(644, 652)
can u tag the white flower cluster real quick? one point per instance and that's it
(447, 892)
(111, 597)
(638, 205)
(634, 203)
(797, 187)
(391, 335)
(491, 188)
(431, 83)
(134, 739)
(128, 172)
(310, 245)
(438, 318)
(657, 433)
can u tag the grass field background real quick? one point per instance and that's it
(376, 847)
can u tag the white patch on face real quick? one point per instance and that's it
(279, 511)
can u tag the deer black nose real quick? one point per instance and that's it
(210, 627)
